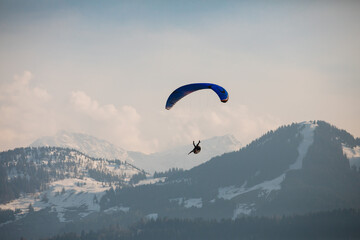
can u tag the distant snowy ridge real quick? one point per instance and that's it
(84, 143)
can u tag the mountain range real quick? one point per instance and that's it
(297, 169)
(160, 161)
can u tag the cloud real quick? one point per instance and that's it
(92, 108)
(29, 112)
(24, 111)
(19, 90)
(117, 124)
(185, 123)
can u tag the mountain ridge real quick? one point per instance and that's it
(296, 169)
(90, 145)
(161, 161)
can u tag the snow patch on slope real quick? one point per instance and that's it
(353, 154)
(150, 181)
(243, 209)
(308, 138)
(193, 202)
(230, 192)
(307, 131)
(266, 187)
(80, 194)
(188, 203)
(152, 216)
(116, 209)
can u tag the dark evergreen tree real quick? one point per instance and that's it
(31, 208)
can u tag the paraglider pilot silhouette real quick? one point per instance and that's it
(182, 91)
(196, 149)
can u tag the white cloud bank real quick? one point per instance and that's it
(119, 125)
(24, 111)
(29, 112)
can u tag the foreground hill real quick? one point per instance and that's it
(296, 169)
(58, 178)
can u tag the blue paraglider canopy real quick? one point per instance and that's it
(182, 91)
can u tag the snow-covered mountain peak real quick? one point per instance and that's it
(92, 146)
(309, 124)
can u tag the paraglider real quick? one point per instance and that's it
(182, 91)
(196, 149)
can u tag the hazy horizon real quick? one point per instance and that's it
(107, 69)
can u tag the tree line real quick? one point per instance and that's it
(336, 224)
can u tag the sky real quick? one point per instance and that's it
(106, 68)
